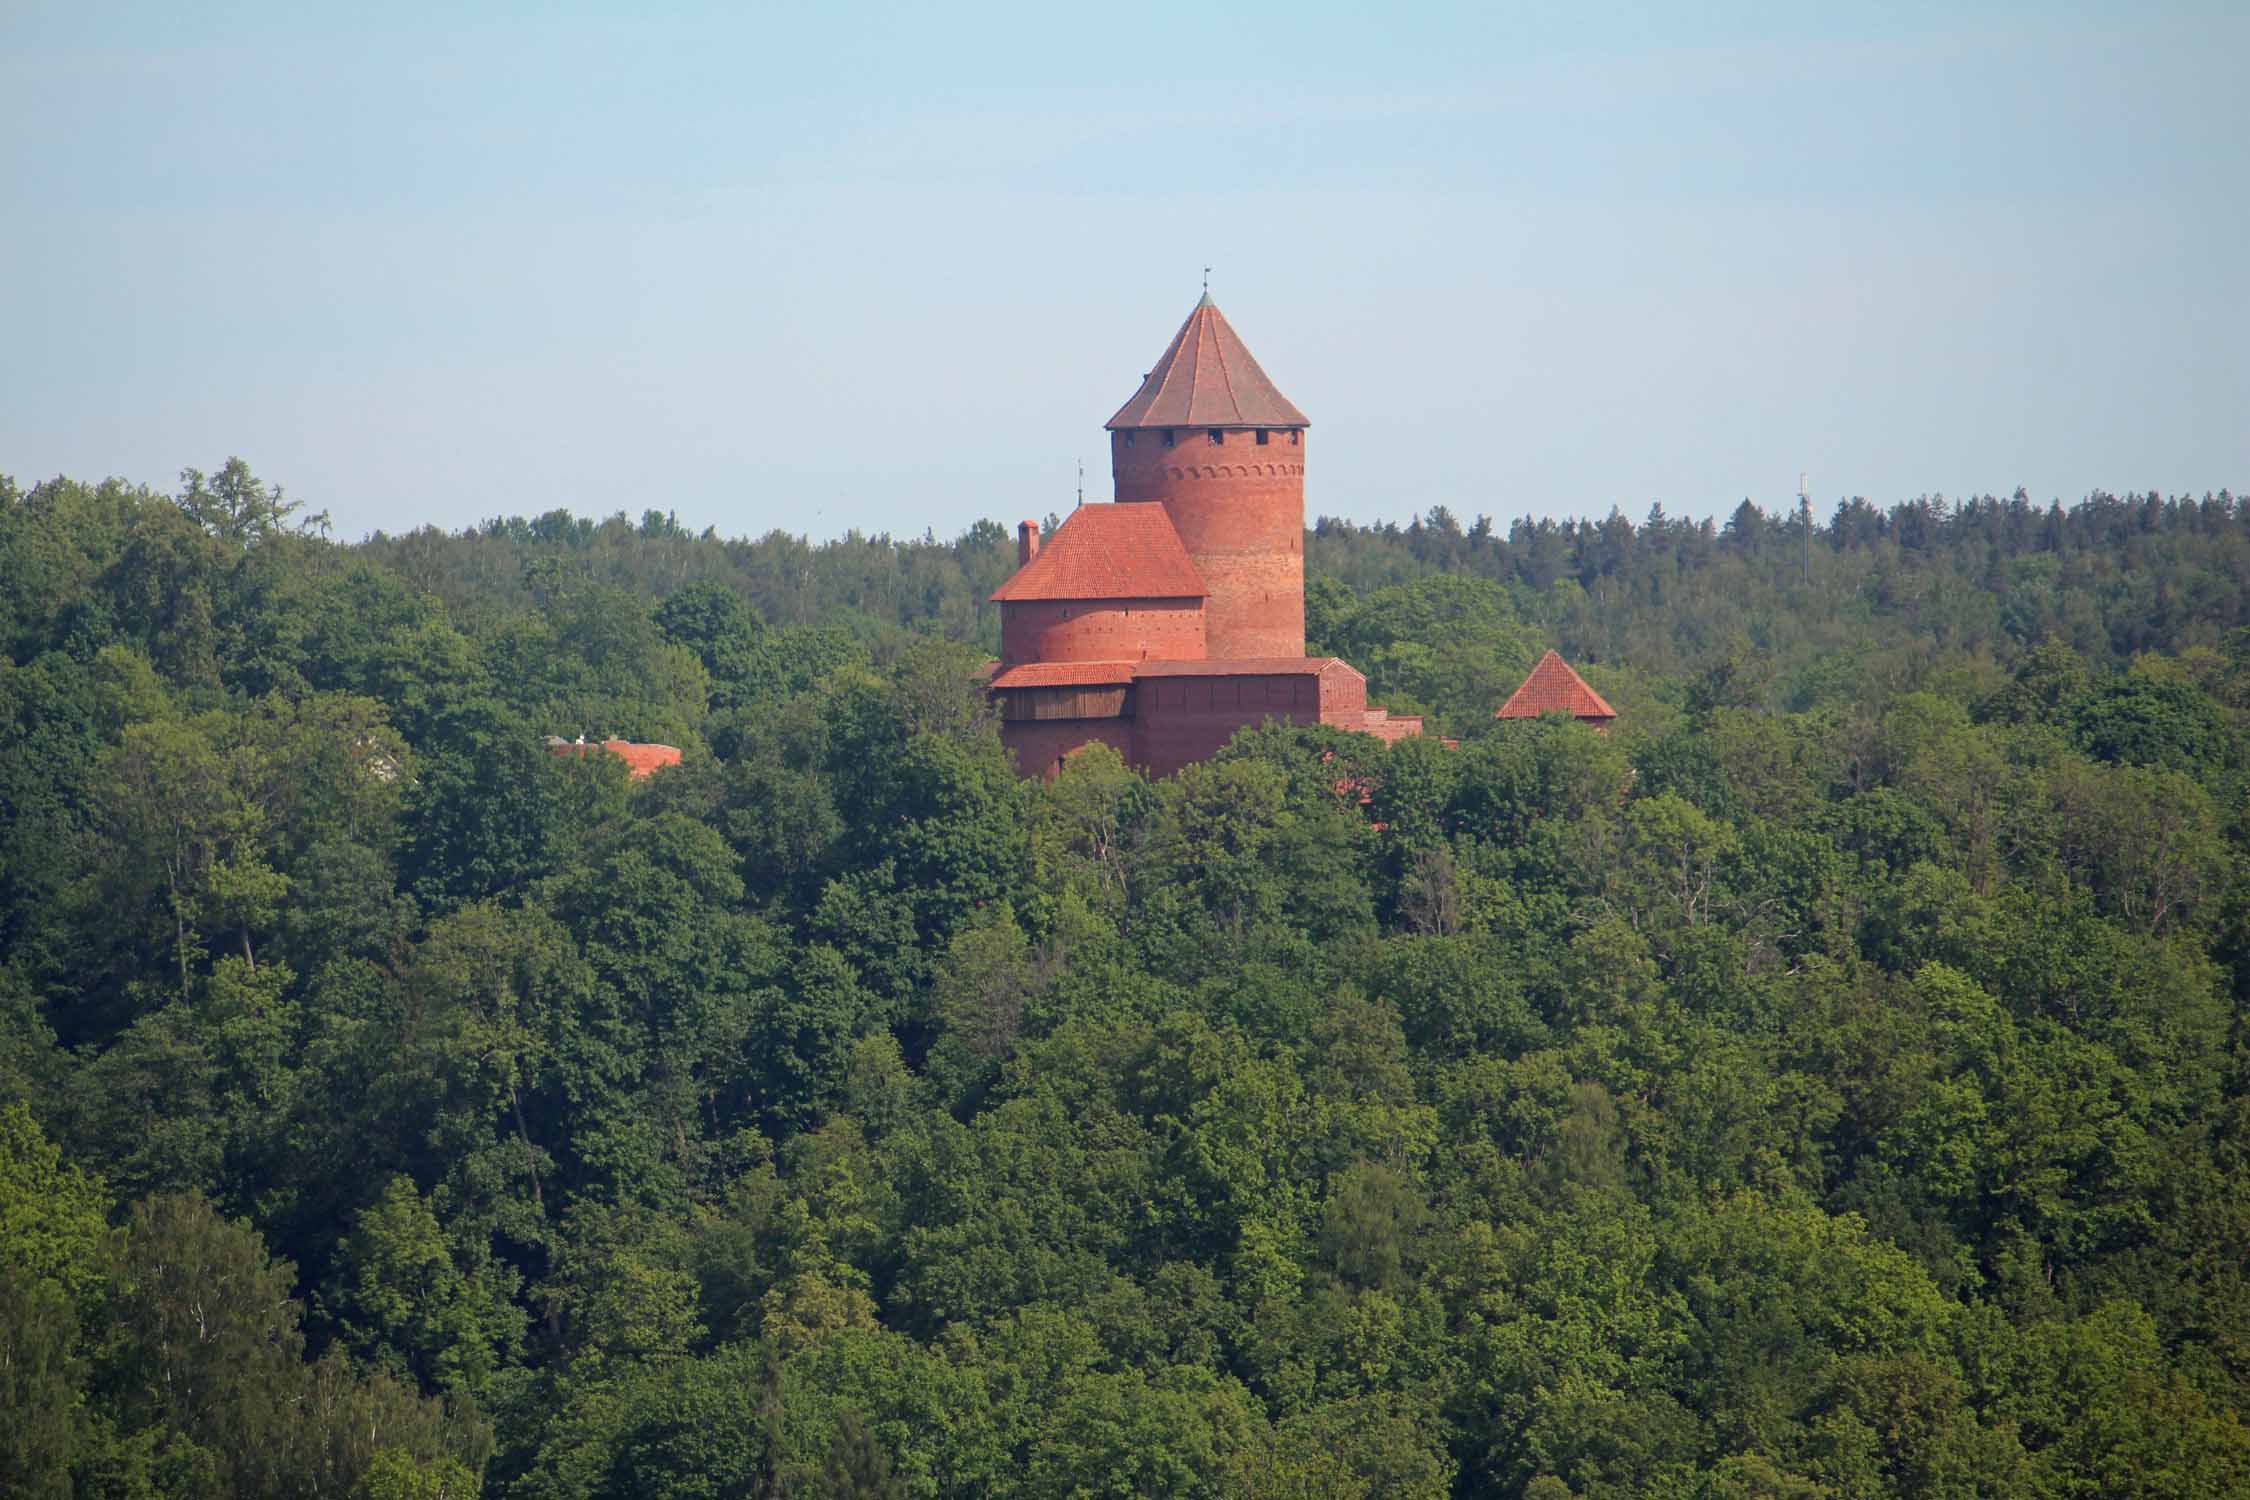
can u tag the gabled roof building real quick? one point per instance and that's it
(1553, 688)
(1163, 623)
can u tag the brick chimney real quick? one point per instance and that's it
(1027, 541)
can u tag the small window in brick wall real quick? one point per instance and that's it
(1217, 437)
(1262, 436)
(1293, 437)
(1170, 437)
(1128, 436)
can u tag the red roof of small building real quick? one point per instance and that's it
(1044, 674)
(1246, 666)
(1207, 379)
(1553, 687)
(1125, 551)
(640, 760)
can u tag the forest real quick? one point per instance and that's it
(1832, 1081)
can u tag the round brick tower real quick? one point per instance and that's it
(1208, 437)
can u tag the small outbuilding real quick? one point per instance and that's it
(1553, 688)
(640, 760)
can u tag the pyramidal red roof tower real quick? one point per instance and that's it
(1553, 687)
(1207, 378)
(1208, 437)
(1165, 623)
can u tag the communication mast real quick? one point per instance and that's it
(1804, 521)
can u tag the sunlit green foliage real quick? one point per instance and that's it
(1828, 1082)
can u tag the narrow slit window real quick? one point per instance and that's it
(1170, 437)
(1263, 435)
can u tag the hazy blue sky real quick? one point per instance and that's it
(891, 266)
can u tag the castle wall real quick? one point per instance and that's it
(1041, 745)
(1387, 729)
(1181, 720)
(1343, 699)
(1239, 507)
(1101, 630)
(1233, 500)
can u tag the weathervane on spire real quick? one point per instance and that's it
(1206, 281)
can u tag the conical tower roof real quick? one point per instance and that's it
(1207, 379)
(1553, 687)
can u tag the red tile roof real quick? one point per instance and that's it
(640, 760)
(1040, 674)
(1246, 666)
(1207, 379)
(1109, 552)
(1553, 687)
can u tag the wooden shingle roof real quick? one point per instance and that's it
(1207, 379)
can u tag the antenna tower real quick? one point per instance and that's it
(1804, 521)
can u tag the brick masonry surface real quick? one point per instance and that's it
(1041, 745)
(1100, 630)
(1181, 720)
(1239, 507)
(1235, 509)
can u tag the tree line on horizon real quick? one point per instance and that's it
(1828, 1083)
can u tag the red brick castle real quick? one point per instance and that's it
(1165, 622)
